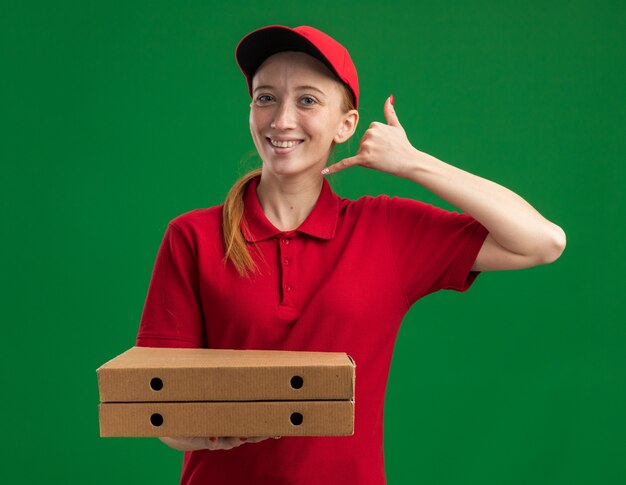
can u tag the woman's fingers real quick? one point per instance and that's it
(190, 443)
(230, 442)
(185, 443)
(257, 439)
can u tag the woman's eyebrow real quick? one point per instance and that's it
(300, 88)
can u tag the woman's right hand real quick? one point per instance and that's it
(193, 443)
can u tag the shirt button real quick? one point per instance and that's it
(286, 261)
(288, 288)
(285, 240)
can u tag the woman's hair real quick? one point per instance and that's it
(232, 213)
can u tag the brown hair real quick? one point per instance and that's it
(232, 213)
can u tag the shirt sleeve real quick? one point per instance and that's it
(432, 248)
(172, 314)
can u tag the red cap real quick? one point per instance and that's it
(259, 44)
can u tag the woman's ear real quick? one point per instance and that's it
(347, 127)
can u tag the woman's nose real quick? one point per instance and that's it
(284, 116)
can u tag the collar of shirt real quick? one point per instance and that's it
(321, 222)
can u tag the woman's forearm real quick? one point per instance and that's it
(511, 221)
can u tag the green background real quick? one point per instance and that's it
(118, 116)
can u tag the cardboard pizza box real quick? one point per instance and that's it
(143, 374)
(253, 418)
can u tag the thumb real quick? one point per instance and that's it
(390, 113)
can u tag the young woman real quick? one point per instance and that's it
(286, 264)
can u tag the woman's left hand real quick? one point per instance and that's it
(383, 147)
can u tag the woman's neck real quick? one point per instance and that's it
(288, 203)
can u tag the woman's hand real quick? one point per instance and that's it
(192, 443)
(384, 147)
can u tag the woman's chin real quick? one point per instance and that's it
(289, 169)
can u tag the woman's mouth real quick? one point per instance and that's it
(283, 147)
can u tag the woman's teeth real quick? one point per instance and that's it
(284, 144)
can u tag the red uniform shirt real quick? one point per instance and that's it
(341, 282)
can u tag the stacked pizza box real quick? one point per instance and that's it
(148, 391)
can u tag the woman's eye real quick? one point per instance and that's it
(309, 101)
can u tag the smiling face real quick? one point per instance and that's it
(297, 101)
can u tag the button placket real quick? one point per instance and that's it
(287, 271)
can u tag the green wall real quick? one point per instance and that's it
(118, 116)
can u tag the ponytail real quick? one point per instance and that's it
(232, 216)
